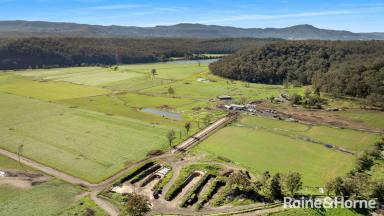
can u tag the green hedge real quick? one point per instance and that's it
(145, 173)
(185, 173)
(134, 172)
(213, 189)
(193, 195)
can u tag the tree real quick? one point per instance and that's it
(187, 126)
(243, 100)
(171, 135)
(272, 186)
(136, 205)
(240, 181)
(295, 99)
(153, 72)
(276, 192)
(20, 150)
(364, 162)
(307, 93)
(240, 184)
(293, 182)
(207, 119)
(378, 191)
(171, 90)
(335, 186)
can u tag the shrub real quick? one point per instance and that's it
(213, 189)
(192, 196)
(136, 171)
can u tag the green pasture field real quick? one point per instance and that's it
(7, 163)
(130, 105)
(352, 140)
(215, 55)
(192, 88)
(314, 212)
(261, 150)
(92, 76)
(89, 145)
(49, 91)
(50, 198)
(15, 201)
(371, 118)
(166, 73)
(126, 77)
(80, 208)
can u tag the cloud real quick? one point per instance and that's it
(115, 7)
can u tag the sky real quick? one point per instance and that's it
(351, 15)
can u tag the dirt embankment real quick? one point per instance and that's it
(22, 179)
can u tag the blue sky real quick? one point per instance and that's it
(352, 15)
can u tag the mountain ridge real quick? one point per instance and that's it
(21, 28)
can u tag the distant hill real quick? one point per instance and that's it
(184, 30)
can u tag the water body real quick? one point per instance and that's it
(163, 113)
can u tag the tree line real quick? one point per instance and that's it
(64, 52)
(353, 68)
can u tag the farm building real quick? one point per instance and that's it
(224, 97)
(2, 174)
(235, 107)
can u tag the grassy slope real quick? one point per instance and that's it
(92, 76)
(53, 196)
(260, 150)
(371, 118)
(7, 163)
(89, 145)
(46, 199)
(313, 212)
(191, 88)
(350, 139)
(129, 105)
(48, 91)
(82, 207)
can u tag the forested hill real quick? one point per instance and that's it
(341, 68)
(21, 28)
(63, 52)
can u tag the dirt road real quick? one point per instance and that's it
(46, 169)
(203, 133)
(105, 205)
(96, 188)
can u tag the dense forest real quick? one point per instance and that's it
(63, 52)
(354, 68)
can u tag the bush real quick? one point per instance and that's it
(145, 173)
(178, 186)
(216, 185)
(136, 171)
(183, 176)
(296, 99)
(164, 181)
(192, 196)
